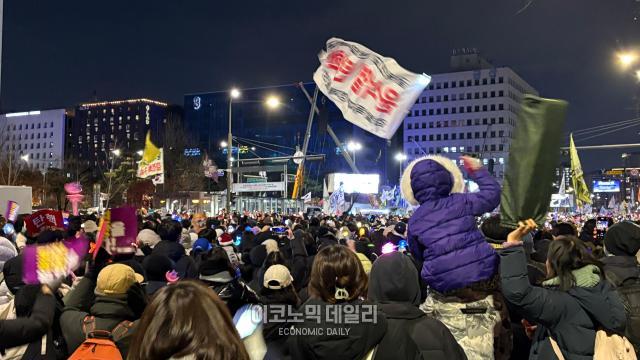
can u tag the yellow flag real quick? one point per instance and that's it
(580, 188)
(150, 150)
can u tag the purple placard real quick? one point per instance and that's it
(43, 264)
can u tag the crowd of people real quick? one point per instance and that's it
(439, 284)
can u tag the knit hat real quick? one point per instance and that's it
(215, 269)
(90, 226)
(277, 277)
(430, 177)
(156, 267)
(7, 251)
(623, 239)
(400, 228)
(116, 279)
(148, 237)
(201, 244)
(271, 246)
(225, 240)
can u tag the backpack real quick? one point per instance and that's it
(629, 292)
(100, 344)
(608, 346)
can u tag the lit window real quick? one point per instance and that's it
(485, 161)
(446, 149)
(501, 161)
(453, 149)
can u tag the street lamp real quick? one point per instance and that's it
(223, 144)
(353, 147)
(25, 157)
(140, 152)
(628, 58)
(400, 158)
(272, 102)
(116, 152)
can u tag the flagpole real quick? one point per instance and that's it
(337, 141)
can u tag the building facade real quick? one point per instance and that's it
(98, 128)
(263, 132)
(34, 137)
(467, 112)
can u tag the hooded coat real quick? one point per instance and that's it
(411, 334)
(571, 318)
(442, 233)
(185, 265)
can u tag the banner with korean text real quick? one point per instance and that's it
(150, 169)
(372, 91)
(44, 220)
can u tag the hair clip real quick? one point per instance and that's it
(341, 294)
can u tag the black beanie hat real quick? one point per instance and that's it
(156, 267)
(623, 239)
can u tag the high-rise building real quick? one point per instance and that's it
(98, 128)
(472, 110)
(34, 137)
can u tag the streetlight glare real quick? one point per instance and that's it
(401, 157)
(354, 146)
(223, 144)
(25, 157)
(273, 102)
(116, 152)
(140, 152)
(235, 93)
(627, 59)
(638, 75)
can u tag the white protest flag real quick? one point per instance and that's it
(372, 91)
(306, 198)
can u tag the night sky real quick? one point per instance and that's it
(57, 53)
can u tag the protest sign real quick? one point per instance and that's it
(118, 229)
(43, 264)
(43, 219)
(12, 210)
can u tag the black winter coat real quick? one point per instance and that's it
(185, 265)
(326, 340)
(411, 334)
(108, 312)
(20, 331)
(570, 317)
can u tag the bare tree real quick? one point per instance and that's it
(182, 173)
(11, 164)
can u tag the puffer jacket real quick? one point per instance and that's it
(477, 317)
(442, 232)
(572, 317)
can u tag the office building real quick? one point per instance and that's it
(34, 137)
(471, 110)
(264, 132)
(98, 128)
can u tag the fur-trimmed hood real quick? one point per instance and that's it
(430, 178)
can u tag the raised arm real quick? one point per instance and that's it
(488, 198)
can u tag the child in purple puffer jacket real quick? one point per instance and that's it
(458, 265)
